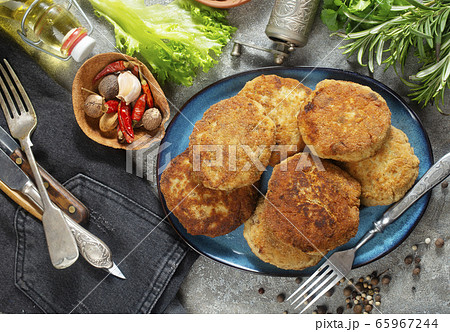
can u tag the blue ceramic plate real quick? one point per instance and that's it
(232, 249)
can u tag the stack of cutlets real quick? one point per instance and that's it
(312, 202)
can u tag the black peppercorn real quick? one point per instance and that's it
(439, 243)
(357, 309)
(261, 290)
(281, 297)
(322, 309)
(377, 298)
(298, 280)
(340, 310)
(386, 280)
(329, 292)
(374, 281)
(444, 184)
(359, 286)
(416, 271)
(349, 305)
(417, 260)
(347, 291)
(368, 308)
(408, 259)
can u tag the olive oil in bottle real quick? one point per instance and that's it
(58, 31)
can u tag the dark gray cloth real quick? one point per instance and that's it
(123, 212)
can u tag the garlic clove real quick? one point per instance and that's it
(129, 87)
(108, 122)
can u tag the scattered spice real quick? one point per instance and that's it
(349, 305)
(285, 312)
(414, 247)
(261, 291)
(347, 291)
(340, 310)
(368, 308)
(377, 298)
(361, 279)
(439, 242)
(417, 260)
(365, 285)
(322, 309)
(386, 280)
(298, 280)
(427, 240)
(357, 309)
(444, 184)
(374, 281)
(330, 292)
(359, 286)
(416, 271)
(413, 289)
(408, 260)
(281, 297)
(377, 303)
(350, 282)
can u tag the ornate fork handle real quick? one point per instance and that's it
(94, 250)
(437, 173)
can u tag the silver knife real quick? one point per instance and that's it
(94, 250)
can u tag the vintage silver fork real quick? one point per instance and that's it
(60, 241)
(340, 263)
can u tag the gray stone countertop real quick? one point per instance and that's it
(215, 288)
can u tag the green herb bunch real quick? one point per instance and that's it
(388, 31)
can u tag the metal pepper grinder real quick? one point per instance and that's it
(289, 26)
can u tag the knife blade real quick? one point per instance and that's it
(58, 194)
(94, 250)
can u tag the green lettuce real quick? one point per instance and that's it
(176, 40)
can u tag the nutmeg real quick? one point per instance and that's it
(93, 106)
(151, 119)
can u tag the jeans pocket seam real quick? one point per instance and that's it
(174, 259)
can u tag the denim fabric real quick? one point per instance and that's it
(154, 271)
(149, 255)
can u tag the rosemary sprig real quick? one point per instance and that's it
(421, 29)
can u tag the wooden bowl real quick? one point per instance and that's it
(90, 126)
(223, 3)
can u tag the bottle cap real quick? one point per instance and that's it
(83, 48)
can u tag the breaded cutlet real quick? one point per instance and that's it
(282, 99)
(231, 145)
(344, 121)
(313, 204)
(389, 174)
(200, 210)
(267, 247)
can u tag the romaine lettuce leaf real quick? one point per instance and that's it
(176, 39)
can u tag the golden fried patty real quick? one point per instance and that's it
(344, 121)
(389, 174)
(231, 145)
(267, 247)
(282, 99)
(200, 210)
(313, 204)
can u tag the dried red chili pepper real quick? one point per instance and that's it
(112, 68)
(139, 109)
(135, 70)
(125, 122)
(146, 90)
(112, 106)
